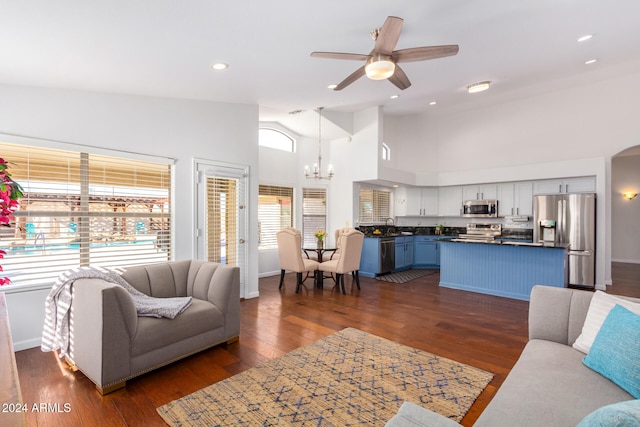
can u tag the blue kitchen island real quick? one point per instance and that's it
(503, 269)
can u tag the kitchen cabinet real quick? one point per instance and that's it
(422, 201)
(480, 192)
(426, 251)
(586, 184)
(404, 252)
(450, 201)
(515, 198)
(370, 258)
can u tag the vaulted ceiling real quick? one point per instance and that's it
(165, 48)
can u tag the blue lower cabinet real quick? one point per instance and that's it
(404, 253)
(427, 251)
(370, 259)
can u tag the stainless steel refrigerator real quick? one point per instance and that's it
(569, 218)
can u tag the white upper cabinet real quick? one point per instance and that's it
(450, 201)
(480, 192)
(422, 201)
(585, 184)
(515, 198)
(400, 201)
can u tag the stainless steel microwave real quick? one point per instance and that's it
(480, 209)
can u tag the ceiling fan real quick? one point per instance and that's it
(382, 62)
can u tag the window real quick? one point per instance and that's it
(314, 214)
(222, 218)
(272, 138)
(275, 212)
(82, 209)
(374, 206)
(386, 152)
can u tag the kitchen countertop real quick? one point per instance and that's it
(510, 243)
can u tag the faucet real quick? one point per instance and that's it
(392, 221)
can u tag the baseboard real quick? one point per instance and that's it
(627, 261)
(27, 344)
(268, 274)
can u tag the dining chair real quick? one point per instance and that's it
(350, 244)
(290, 254)
(338, 233)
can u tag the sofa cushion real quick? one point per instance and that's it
(549, 386)
(153, 333)
(601, 304)
(615, 353)
(623, 414)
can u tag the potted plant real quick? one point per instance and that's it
(10, 194)
(320, 235)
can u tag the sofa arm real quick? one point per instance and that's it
(220, 285)
(103, 324)
(557, 314)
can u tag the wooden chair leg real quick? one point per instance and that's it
(344, 291)
(337, 279)
(356, 276)
(298, 282)
(281, 279)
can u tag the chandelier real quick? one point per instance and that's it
(316, 173)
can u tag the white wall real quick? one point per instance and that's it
(354, 159)
(570, 132)
(625, 214)
(180, 129)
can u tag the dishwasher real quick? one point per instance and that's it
(387, 254)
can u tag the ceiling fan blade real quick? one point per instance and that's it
(388, 35)
(351, 78)
(425, 52)
(400, 79)
(340, 55)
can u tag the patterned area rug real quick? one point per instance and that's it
(348, 378)
(405, 276)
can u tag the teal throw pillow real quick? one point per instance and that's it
(621, 414)
(615, 353)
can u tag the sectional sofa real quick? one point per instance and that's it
(550, 385)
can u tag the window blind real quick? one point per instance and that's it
(374, 206)
(82, 209)
(275, 212)
(314, 214)
(222, 219)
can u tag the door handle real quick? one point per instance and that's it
(241, 240)
(581, 253)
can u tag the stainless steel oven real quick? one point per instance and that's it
(481, 232)
(480, 209)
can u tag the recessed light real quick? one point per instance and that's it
(433, 103)
(478, 87)
(332, 86)
(394, 96)
(219, 66)
(591, 61)
(585, 38)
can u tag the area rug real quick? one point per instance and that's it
(348, 378)
(405, 276)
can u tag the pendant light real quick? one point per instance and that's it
(316, 173)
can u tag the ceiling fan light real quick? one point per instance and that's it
(380, 67)
(478, 87)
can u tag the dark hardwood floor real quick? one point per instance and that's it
(483, 331)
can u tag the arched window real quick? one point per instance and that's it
(386, 152)
(273, 138)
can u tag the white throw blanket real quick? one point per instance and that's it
(56, 323)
